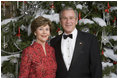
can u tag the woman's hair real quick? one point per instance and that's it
(40, 21)
(68, 8)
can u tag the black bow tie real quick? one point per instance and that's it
(70, 35)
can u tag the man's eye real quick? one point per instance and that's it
(72, 18)
(64, 18)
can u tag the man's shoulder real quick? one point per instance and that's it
(86, 35)
(56, 38)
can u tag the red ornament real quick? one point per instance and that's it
(58, 29)
(108, 5)
(52, 6)
(114, 62)
(107, 10)
(25, 2)
(114, 19)
(79, 15)
(102, 52)
(18, 33)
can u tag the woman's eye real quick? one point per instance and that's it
(47, 29)
(40, 29)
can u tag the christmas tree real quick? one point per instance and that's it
(96, 17)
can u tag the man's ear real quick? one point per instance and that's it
(76, 21)
(60, 22)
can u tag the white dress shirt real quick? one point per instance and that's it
(67, 48)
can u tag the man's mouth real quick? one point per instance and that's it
(68, 25)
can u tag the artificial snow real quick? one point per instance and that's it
(111, 75)
(53, 17)
(29, 30)
(85, 21)
(40, 12)
(113, 8)
(99, 21)
(79, 6)
(105, 64)
(9, 20)
(6, 58)
(113, 37)
(110, 54)
(23, 27)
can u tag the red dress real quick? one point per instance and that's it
(35, 64)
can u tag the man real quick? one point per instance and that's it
(77, 53)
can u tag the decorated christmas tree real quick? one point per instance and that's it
(96, 17)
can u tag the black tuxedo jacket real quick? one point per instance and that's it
(86, 61)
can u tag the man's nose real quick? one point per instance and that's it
(68, 20)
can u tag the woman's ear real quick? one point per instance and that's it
(35, 33)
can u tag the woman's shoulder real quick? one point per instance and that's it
(49, 46)
(28, 49)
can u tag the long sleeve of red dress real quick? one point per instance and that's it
(35, 64)
(25, 64)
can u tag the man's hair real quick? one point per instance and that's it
(40, 21)
(68, 8)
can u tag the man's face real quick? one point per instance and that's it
(68, 21)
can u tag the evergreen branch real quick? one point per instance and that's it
(87, 14)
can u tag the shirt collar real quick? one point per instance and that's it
(74, 33)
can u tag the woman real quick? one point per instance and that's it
(38, 60)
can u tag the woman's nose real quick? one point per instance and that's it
(44, 31)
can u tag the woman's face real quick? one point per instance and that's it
(42, 33)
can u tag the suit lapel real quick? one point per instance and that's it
(60, 53)
(77, 49)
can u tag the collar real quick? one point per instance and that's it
(74, 33)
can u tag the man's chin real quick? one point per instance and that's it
(68, 32)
